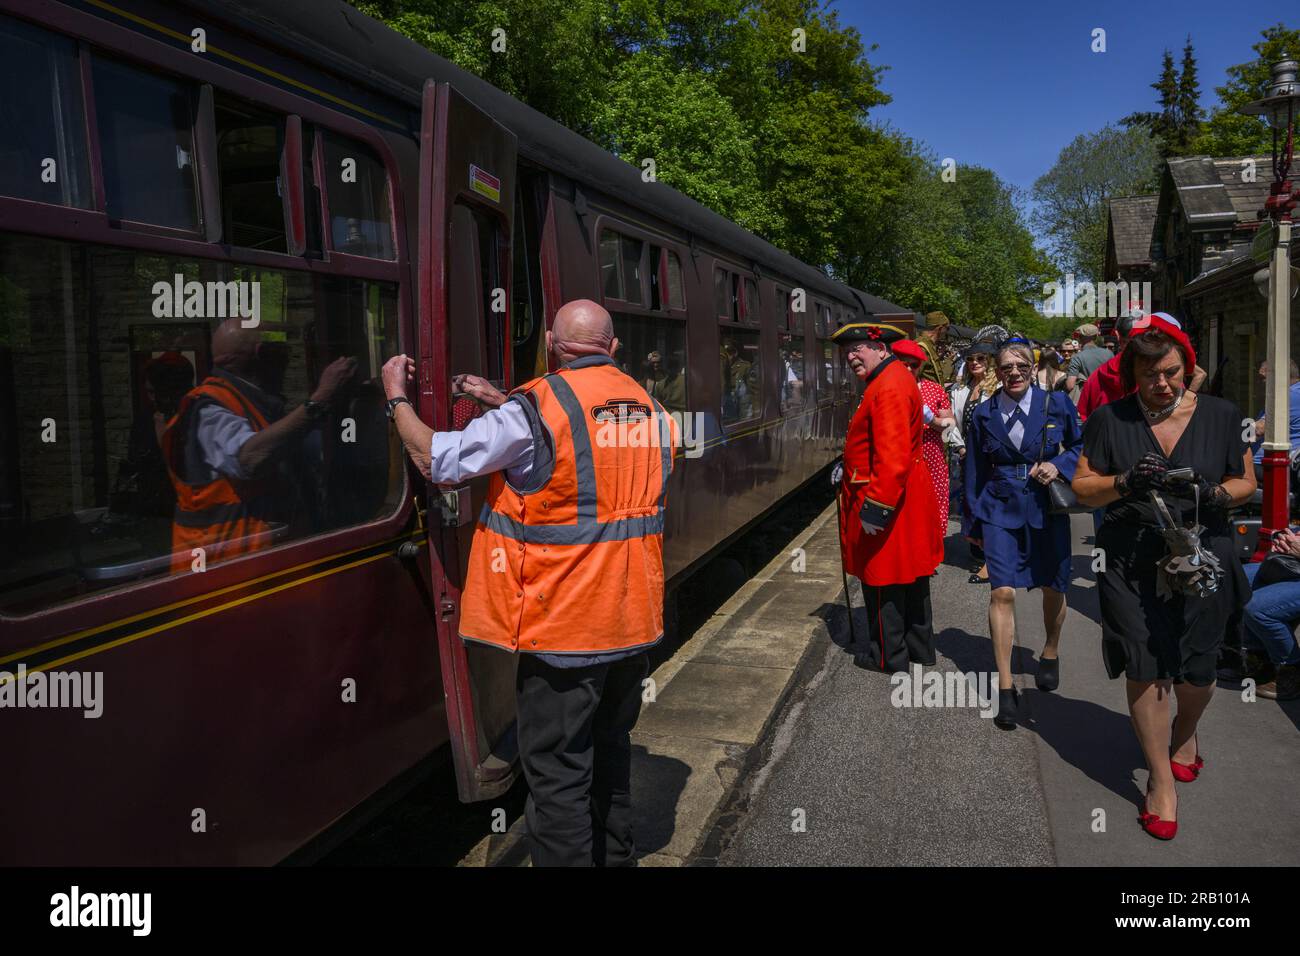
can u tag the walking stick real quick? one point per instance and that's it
(848, 595)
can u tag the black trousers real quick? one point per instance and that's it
(901, 627)
(575, 746)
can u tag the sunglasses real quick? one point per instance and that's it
(1020, 367)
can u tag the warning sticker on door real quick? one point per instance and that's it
(484, 183)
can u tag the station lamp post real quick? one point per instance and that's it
(1280, 108)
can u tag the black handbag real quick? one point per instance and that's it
(1061, 499)
(1277, 568)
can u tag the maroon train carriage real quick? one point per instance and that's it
(379, 197)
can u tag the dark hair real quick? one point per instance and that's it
(1150, 346)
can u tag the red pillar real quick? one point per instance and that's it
(1276, 514)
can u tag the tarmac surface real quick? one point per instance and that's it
(846, 778)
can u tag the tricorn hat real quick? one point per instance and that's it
(867, 332)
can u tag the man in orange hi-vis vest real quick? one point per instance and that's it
(566, 569)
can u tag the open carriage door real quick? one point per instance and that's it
(467, 175)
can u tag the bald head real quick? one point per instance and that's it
(581, 327)
(235, 347)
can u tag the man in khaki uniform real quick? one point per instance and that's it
(936, 369)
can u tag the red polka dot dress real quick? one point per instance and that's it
(933, 452)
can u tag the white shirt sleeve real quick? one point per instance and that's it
(221, 433)
(498, 440)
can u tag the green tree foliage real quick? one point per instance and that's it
(1178, 121)
(1187, 107)
(1071, 196)
(759, 109)
(1229, 133)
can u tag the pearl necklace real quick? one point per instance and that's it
(1153, 413)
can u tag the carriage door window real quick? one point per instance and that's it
(738, 361)
(42, 118)
(789, 342)
(478, 336)
(527, 324)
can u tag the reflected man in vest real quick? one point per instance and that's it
(566, 569)
(226, 440)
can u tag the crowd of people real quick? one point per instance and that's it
(1018, 435)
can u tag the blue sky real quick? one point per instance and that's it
(1007, 83)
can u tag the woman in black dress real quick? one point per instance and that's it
(1154, 637)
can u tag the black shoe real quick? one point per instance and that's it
(1008, 709)
(1048, 677)
(1285, 684)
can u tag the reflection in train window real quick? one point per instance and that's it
(249, 146)
(791, 373)
(116, 448)
(653, 351)
(741, 374)
(146, 135)
(45, 129)
(360, 205)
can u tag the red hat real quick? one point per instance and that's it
(909, 349)
(1166, 323)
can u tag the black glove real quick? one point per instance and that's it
(1147, 475)
(1211, 495)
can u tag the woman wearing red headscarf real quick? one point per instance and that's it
(938, 418)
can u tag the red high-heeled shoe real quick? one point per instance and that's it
(1158, 828)
(1187, 772)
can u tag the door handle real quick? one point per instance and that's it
(455, 505)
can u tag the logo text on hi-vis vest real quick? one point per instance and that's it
(628, 423)
(208, 300)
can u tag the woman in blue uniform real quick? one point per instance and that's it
(1018, 442)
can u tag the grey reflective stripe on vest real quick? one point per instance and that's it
(665, 450)
(584, 532)
(586, 465)
(588, 529)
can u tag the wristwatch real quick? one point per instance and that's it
(394, 402)
(315, 410)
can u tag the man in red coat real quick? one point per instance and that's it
(888, 536)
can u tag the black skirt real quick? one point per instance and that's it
(1146, 637)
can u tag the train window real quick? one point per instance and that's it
(249, 147)
(676, 288)
(97, 359)
(752, 313)
(43, 155)
(609, 277)
(358, 198)
(653, 351)
(826, 372)
(665, 274)
(146, 137)
(620, 267)
(722, 294)
(631, 256)
(741, 375)
(791, 372)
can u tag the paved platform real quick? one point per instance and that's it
(765, 745)
(886, 786)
